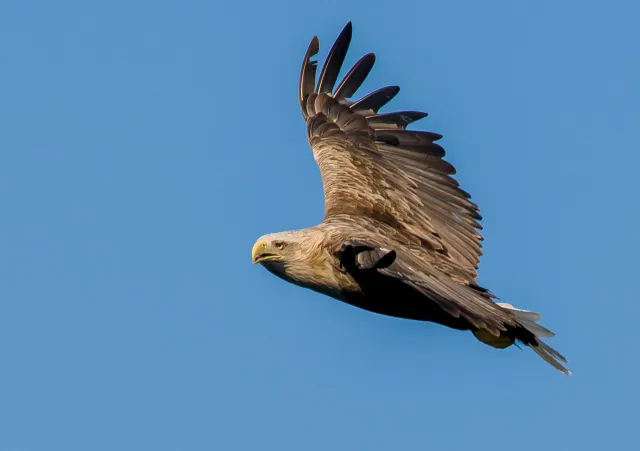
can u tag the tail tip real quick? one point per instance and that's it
(528, 320)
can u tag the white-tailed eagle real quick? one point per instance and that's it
(399, 236)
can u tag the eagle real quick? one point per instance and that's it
(399, 236)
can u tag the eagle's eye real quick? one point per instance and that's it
(279, 245)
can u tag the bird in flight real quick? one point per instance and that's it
(399, 235)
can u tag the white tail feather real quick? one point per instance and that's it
(528, 320)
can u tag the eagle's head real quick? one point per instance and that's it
(274, 247)
(281, 252)
(298, 256)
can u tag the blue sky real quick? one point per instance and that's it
(146, 145)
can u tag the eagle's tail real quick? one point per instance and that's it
(532, 337)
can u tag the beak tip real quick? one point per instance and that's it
(255, 252)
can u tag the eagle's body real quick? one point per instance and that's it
(399, 236)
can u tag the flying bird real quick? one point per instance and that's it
(399, 235)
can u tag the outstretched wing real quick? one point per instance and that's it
(372, 166)
(373, 266)
(475, 305)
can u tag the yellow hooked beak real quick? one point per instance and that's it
(261, 252)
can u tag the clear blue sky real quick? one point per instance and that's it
(145, 145)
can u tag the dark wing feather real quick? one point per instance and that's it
(372, 102)
(372, 166)
(308, 72)
(399, 119)
(333, 64)
(354, 78)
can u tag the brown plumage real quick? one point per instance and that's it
(399, 236)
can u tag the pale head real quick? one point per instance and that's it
(296, 256)
(276, 247)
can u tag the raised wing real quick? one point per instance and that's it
(372, 166)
